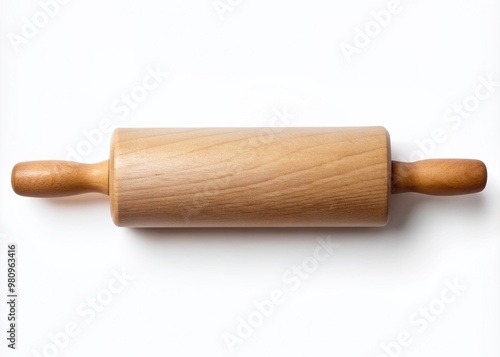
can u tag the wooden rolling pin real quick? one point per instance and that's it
(247, 177)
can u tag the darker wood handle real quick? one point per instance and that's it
(59, 178)
(442, 177)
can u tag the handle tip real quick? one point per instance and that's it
(480, 175)
(22, 180)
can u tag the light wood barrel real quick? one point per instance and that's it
(250, 177)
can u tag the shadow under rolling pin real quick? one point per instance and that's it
(250, 177)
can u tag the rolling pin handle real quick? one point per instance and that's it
(59, 178)
(440, 177)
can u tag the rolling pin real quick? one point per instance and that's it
(250, 177)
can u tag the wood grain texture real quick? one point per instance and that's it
(439, 177)
(59, 178)
(244, 177)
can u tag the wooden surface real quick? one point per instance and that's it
(443, 177)
(250, 177)
(59, 178)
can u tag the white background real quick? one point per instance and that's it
(192, 285)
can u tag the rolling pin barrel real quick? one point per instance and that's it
(249, 177)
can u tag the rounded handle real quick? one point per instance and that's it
(59, 178)
(441, 177)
